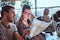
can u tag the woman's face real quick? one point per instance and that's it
(27, 13)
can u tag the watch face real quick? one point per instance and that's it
(59, 18)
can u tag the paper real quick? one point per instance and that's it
(38, 27)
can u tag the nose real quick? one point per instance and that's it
(13, 14)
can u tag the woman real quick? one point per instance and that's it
(24, 23)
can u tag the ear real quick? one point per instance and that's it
(5, 14)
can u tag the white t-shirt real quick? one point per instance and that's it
(7, 33)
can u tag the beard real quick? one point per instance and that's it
(9, 19)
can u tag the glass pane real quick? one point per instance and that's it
(48, 3)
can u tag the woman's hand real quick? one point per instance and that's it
(26, 31)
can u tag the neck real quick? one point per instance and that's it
(5, 22)
(25, 22)
(25, 19)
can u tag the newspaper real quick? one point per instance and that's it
(37, 27)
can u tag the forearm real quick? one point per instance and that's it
(1, 38)
(18, 37)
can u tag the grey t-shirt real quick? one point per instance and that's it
(7, 33)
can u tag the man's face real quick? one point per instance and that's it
(11, 15)
(27, 14)
(46, 12)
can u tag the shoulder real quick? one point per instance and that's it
(18, 24)
(12, 25)
(0, 28)
(1, 24)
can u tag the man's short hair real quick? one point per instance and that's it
(6, 9)
(56, 16)
(46, 9)
(58, 13)
(25, 7)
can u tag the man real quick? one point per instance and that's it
(8, 30)
(46, 18)
(50, 29)
(56, 17)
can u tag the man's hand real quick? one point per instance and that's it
(17, 36)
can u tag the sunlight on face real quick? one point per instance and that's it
(27, 13)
